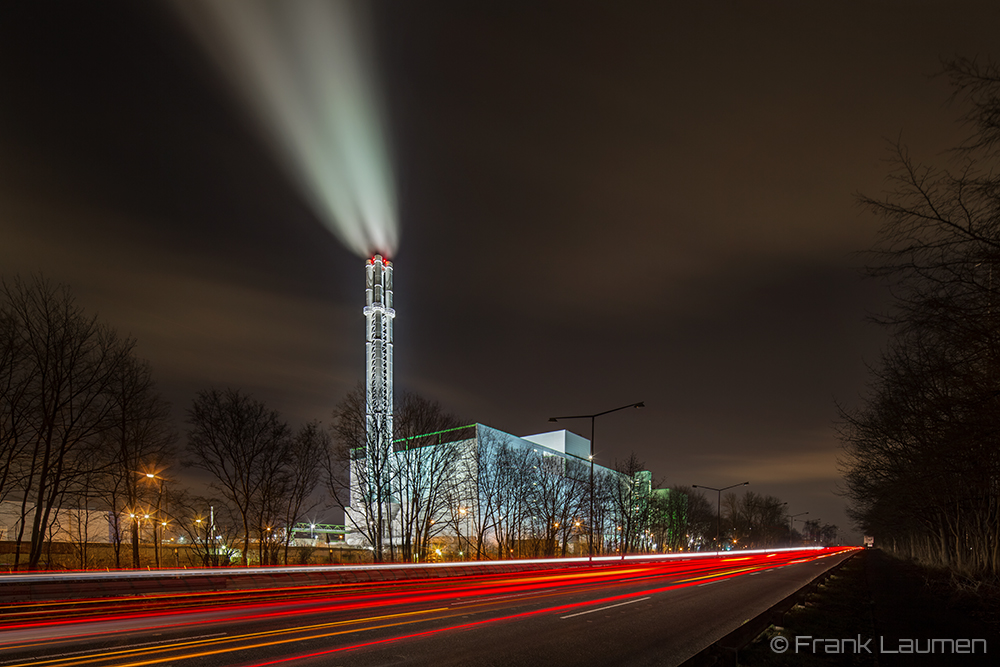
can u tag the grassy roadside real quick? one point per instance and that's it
(889, 602)
(840, 608)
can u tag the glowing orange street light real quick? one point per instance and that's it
(153, 476)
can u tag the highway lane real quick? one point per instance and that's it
(623, 613)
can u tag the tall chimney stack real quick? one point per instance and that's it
(378, 354)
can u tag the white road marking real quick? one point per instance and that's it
(709, 583)
(612, 606)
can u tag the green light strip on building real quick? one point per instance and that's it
(424, 435)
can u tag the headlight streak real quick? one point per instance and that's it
(647, 594)
(169, 607)
(465, 626)
(507, 592)
(722, 575)
(92, 659)
(471, 566)
(472, 588)
(209, 601)
(355, 603)
(497, 598)
(90, 653)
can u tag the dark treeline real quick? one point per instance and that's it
(921, 462)
(80, 415)
(87, 446)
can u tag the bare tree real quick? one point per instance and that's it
(307, 449)
(920, 459)
(473, 494)
(495, 483)
(512, 481)
(207, 525)
(59, 367)
(669, 519)
(358, 482)
(754, 520)
(395, 498)
(243, 445)
(139, 442)
(426, 452)
(630, 502)
(15, 384)
(555, 499)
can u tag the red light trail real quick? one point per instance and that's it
(349, 609)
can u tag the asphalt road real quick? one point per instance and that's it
(621, 614)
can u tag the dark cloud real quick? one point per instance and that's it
(599, 203)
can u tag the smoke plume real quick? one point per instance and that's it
(305, 69)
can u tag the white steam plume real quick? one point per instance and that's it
(305, 68)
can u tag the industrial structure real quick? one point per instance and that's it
(379, 315)
(443, 485)
(436, 479)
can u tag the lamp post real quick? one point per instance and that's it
(813, 535)
(593, 419)
(152, 476)
(774, 506)
(791, 522)
(197, 533)
(458, 531)
(135, 538)
(147, 517)
(718, 505)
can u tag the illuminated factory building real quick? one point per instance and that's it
(390, 476)
(473, 452)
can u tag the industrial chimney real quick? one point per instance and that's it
(378, 354)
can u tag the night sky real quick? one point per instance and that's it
(600, 203)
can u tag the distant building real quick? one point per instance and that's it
(65, 524)
(474, 449)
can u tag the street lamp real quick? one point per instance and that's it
(814, 536)
(593, 419)
(791, 522)
(136, 536)
(153, 477)
(458, 531)
(718, 504)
